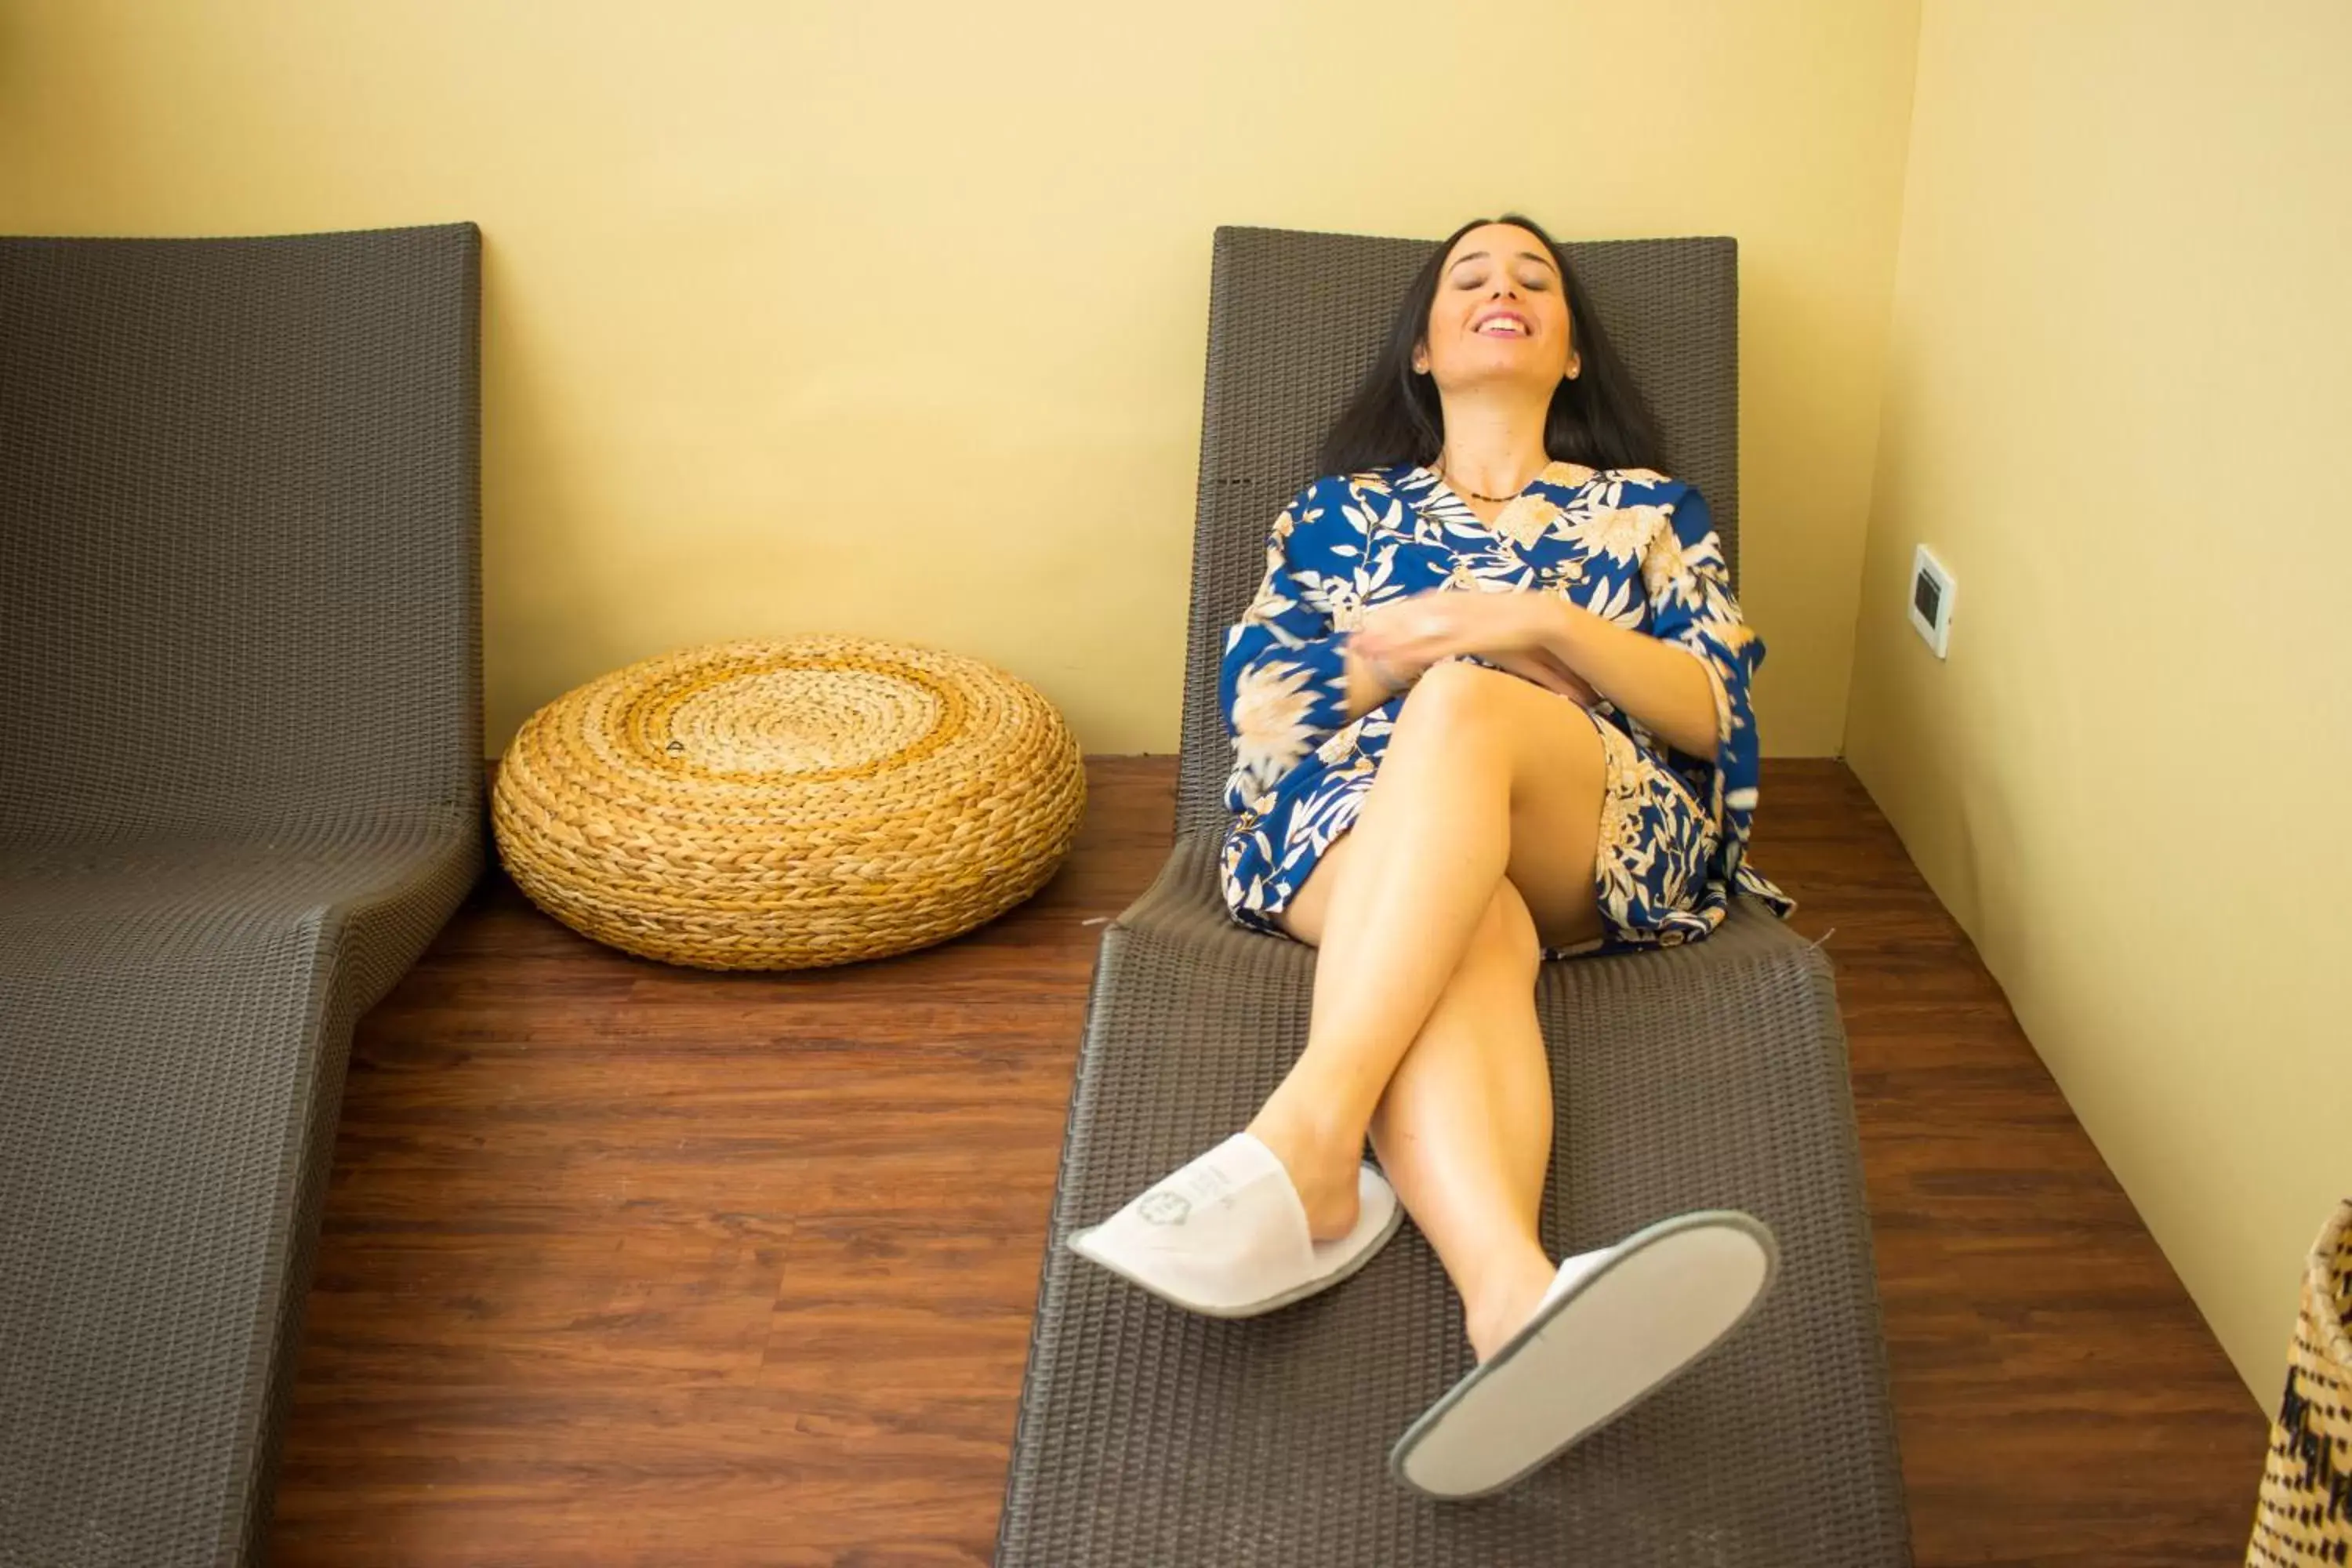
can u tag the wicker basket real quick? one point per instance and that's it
(788, 804)
(2305, 1518)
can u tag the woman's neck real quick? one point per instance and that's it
(1493, 445)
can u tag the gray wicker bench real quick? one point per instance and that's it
(1711, 1076)
(240, 789)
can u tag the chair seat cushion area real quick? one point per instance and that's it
(1704, 1077)
(175, 1020)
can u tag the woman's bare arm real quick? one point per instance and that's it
(1660, 683)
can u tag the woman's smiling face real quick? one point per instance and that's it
(1499, 314)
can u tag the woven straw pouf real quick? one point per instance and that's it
(788, 804)
(2304, 1517)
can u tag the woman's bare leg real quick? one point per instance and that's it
(1480, 762)
(1464, 1131)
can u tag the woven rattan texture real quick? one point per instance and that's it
(2304, 1519)
(788, 802)
(1295, 318)
(240, 789)
(1710, 1075)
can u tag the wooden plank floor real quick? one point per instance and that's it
(625, 1264)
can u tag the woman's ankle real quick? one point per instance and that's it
(1322, 1156)
(1503, 1300)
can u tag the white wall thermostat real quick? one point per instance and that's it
(1931, 601)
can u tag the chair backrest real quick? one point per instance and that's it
(239, 532)
(1295, 321)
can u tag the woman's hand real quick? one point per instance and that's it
(1546, 671)
(1509, 630)
(1407, 636)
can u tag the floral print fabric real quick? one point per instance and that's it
(1629, 544)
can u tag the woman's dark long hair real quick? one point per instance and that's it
(1599, 419)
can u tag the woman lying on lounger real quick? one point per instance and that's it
(1501, 647)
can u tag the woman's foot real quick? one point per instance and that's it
(1619, 1323)
(1223, 1234)
(1322, 1161)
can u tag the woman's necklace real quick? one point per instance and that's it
(1474, 495)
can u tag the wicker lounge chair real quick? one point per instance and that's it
(1711, 1075)
(240, 789)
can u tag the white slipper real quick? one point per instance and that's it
(1616, 1325)
(1227, 1234)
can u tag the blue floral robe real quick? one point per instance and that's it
(1631, 545)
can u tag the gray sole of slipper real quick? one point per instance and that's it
(1667, 1296)
(1347, 1270)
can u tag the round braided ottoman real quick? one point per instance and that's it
(788, 804)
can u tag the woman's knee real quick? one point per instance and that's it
(1538, 740)
(1457, 691)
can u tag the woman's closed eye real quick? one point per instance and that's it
(1533, 281)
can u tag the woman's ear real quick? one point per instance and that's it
(1420, 357)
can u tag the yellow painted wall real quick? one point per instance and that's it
(2119, 383)
(889, 318)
